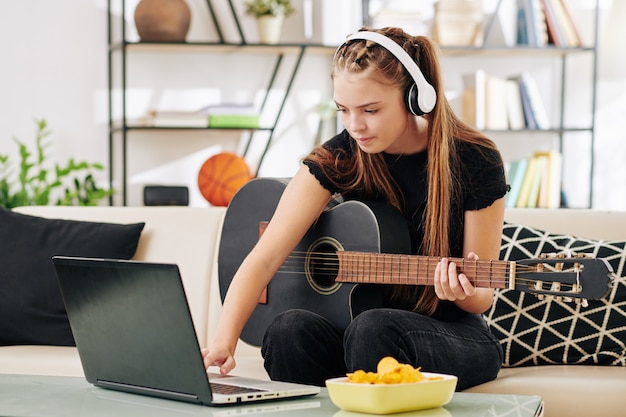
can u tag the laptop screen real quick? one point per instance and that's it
(132, 327)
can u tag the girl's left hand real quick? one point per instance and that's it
(450, 284)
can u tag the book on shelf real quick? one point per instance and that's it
(516, 174)
(496, 116)
(565, 20)
(473, 99)
(238, 121)
(537, 109)
(230, 108)
(543, 195)
(556, 178)
(553, 173)
(557, 20)
(232, 116)
(529, 117)
(539, 23)
(556, 36)
(527, 183)
(535, 181)
(514, 108)
(542, 22)
(217, 116)
(535, 23)
(531, 26)
(173, 118)
(495, 103)
(522, 24)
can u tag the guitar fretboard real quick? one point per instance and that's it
(384, 268)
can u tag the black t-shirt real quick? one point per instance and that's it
(480, 171)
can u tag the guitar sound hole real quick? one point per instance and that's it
(324, 265)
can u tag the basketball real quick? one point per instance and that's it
(221, 176)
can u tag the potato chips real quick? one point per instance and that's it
(389, 371)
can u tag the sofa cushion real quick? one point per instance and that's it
(31, 307)
(549, 331)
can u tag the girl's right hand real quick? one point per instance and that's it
(220, 357)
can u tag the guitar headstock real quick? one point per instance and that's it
(564, 277)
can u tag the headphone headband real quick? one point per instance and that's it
(426, 96)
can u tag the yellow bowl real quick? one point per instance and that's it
(429, 412)
(391, 398)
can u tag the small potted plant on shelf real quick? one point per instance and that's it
(269, 15)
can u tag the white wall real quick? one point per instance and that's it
(55, 67)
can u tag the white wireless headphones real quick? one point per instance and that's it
(421, 97)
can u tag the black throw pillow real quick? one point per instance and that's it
(31, 307)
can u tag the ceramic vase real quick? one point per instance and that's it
(162, 20)
(458, 23)
(270, 28)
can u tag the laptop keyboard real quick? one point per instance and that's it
(231, 389)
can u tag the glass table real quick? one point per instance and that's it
(51, 396)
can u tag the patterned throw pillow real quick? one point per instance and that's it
(542, 332)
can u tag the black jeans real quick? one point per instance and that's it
(301, 346)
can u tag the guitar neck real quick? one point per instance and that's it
(384, 268)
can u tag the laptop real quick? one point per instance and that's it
(134, 333)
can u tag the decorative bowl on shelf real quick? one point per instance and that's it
(392, 398)
(162, 20)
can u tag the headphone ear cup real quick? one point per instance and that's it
(411, 101)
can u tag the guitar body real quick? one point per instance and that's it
(304, 282)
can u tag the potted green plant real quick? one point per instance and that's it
(269, 15)
(35, 183)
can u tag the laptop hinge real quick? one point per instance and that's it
(155, 392)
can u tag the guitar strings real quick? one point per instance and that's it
(296, 269)
(327, 263)
(332, 260)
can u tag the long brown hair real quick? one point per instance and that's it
(369, 174)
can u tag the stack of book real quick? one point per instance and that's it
(531, 23)
(561, 26)
(495, 103)
(216, 116)
(541, 22)
(536, 181)
(232, 116)
(174, 118)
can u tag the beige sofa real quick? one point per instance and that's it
(189, 236)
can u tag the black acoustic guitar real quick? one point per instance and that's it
(355, 243)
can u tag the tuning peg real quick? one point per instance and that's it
(567, 299)
(582, 302)
(565, 254)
